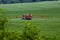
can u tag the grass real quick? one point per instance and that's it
(49, 25)
(39, 8)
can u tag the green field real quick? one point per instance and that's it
(48, 26)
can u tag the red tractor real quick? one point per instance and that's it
(27, 16)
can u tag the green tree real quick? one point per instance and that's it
(34, 0)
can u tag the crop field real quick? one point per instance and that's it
(46, 16)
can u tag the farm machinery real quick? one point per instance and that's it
(27, 17)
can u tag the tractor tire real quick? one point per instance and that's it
(29, 18)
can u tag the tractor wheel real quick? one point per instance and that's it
(28, 18)
(23, 18)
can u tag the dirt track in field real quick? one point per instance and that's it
(32, 17)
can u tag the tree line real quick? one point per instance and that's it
(20, 1)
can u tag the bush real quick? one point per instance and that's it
(30, 32)
(3, 21)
